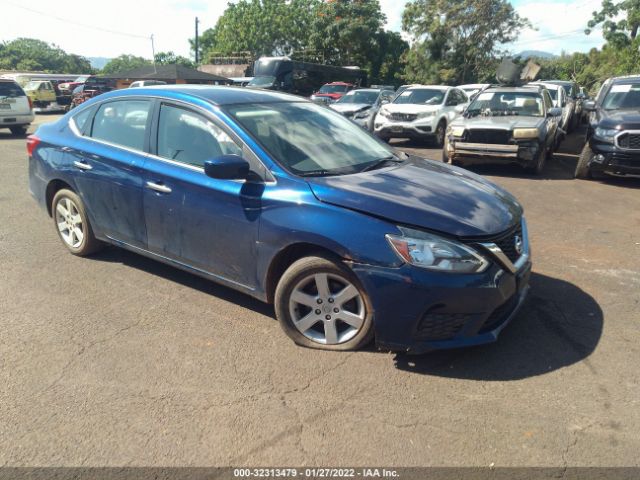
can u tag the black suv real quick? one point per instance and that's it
(613, 135)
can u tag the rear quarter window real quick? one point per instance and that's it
(122, 122)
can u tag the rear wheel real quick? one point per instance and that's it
(72, 224)
(320, 304)
(19, 130)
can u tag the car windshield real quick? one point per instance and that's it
(82, 78)
(507, 103)
(32, 85)
(623, 96)
(428, 96)
(358, 96)
(262, 81)
(310, 140)
(10, 90)
(333, 89)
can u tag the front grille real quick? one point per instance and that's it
(490, 136)
(499, 314)
(506, 241)
(441, 326)
(630, 141)
(403, 117)
(626, 160)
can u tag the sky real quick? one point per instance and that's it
(111, 28)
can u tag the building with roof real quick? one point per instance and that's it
(171, 74)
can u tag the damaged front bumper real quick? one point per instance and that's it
(521, 152)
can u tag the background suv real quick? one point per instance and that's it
(15, 108)
(421, 112)
(613, 134)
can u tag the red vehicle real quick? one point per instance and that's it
(70, 86)
(331, 92)
(93, 86)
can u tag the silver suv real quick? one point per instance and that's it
(15, 107)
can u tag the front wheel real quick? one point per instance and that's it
(539, 163)
(72, 224)
(440, 134)
(320, 304)
(583, 168)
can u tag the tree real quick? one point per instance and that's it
(29, 54)
(345, 31)
(125, 62)
(170, 58)
(620, 21)
(260, 27)
(456, 40)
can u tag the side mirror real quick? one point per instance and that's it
(555, 112)
(384, 101)
(589, 105)
(460, 108)
(227, 167)
(581, 96)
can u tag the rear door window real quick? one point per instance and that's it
(123, 122)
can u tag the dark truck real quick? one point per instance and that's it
(613, 133)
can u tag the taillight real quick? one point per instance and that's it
(30, 103)
(32, 143)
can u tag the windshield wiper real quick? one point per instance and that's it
(381, 162)
(318, 173)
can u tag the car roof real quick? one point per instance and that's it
(626, 78)
(553, 86)
(217, 95)
(339, 83)
(511, 90)
(367, 90)
(438, 87)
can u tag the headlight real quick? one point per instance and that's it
(525, 133)
(364, 114)
(426, 114)
(456, 131)
(435, 253)
(606, 133)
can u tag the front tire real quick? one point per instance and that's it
(583, 169)
(538, 166)
(321, 304)
(72, 224)
(440, 134)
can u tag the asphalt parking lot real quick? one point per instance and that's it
(118, 360)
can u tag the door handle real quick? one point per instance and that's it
(82, 165)
(158, 187)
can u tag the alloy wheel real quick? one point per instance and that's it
(69, 222)
(327, 308)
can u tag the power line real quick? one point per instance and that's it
(73, 22)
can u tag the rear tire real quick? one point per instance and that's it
(320, 284)
(72, 224)
(19, 130)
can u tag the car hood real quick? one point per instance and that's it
(625, 119)
(508, 122)
(349, 107)
(425, 194)
(410, 108)
(334, 96)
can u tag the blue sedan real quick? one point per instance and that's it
(293, 204)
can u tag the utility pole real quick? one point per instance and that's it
(196, 43)
(153, 51)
